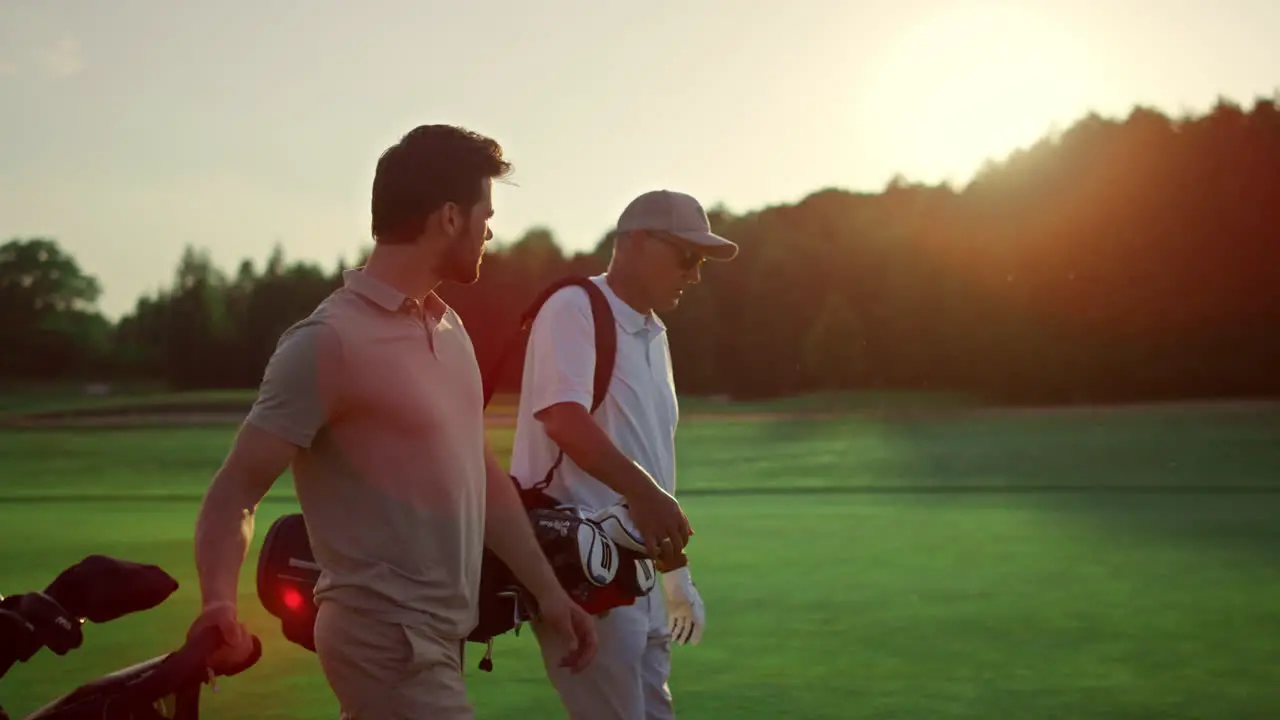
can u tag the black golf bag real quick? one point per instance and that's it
(101, 589)
(598, 573)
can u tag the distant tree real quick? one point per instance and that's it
(51, 324)
(37, 276)
(834, 353)
(1127, 258)
(198, 329)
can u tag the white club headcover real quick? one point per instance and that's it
(598, 554)
(646, 575)
(615, 521)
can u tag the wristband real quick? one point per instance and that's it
(681, 561)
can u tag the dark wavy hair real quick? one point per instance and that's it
(430, 166)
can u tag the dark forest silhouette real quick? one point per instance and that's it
(1125, 259)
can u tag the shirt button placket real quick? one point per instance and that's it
(420, 313)
(644, 338)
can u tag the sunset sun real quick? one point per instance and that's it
(973, 84)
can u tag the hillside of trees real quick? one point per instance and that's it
(1125, 259)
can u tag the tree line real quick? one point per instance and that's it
(1123, 259)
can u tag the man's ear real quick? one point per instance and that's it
(452, 219)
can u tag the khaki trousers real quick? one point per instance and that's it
(627, 680)
(388, 671)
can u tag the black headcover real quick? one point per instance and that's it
(101, 588)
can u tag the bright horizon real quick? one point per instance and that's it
(134, 129)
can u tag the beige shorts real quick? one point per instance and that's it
(388, 671)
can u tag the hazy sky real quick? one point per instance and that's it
(129, 128)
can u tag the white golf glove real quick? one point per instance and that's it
(686, 615)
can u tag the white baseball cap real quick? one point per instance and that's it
(679, 214)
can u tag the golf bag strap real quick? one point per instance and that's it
(606, 339)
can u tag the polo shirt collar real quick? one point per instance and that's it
(631, 320)
(379, 292)
(384, 295)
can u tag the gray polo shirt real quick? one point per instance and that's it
(383, 396)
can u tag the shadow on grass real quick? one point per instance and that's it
(1197, 480)
(1135, 453)
(1241, 525)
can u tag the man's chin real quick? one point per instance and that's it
(465, 275)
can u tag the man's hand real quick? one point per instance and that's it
(686, 615)
(654, 511)
(572, 626)
(661, 522)
(238, 639)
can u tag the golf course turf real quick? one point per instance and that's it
(1076, 565)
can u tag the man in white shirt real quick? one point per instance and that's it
(625, 452)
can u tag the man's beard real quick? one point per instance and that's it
(460, 262)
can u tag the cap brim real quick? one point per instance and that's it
(712, 246)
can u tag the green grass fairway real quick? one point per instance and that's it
(1109, 565)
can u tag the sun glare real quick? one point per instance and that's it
(976, 83)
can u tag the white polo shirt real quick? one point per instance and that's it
(639, 413)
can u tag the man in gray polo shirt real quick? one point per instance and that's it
(626, 451)
(375, 402)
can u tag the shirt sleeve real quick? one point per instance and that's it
(562, 351)
(300, 388)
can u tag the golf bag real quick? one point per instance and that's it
(101, 589)
(598, 572)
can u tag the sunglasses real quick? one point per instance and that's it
(689, 258)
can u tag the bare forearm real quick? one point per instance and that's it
(509, 534)
(224, 530)
(584, 442)
(224, 527)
